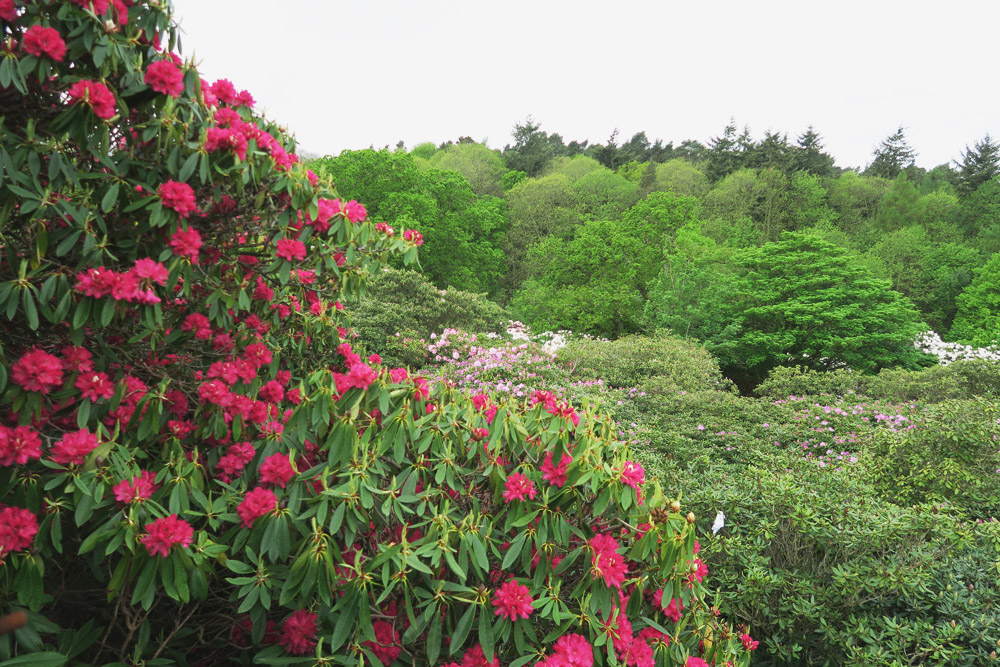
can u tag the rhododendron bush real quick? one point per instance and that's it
(196, 462)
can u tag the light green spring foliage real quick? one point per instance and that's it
(977, 321)
(462, 232)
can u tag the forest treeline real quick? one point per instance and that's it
(760, 248)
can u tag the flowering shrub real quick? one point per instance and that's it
(195, 459)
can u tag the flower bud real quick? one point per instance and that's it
(690, 517)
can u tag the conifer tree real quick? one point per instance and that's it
(892, 156)
(978, 165)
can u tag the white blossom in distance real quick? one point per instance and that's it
(931, 343)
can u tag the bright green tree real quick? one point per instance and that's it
(461, 234)
(481, 166)
(977, 321)
(759, 195)
(538, 207)
(803, 301)
(680, 177)
(689, 294)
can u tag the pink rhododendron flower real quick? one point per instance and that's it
(165, 77)
(257, 503)
(556, 474)
(361, 376)
(99, 7)
(178, 197)
(18, 527)
(224, 91)
(95, 95)
(186, 243)
(606, 560)
(94, 385)
(518, 487)
(748, 642)
(413, 236)
(140, 488)
(276, 470)
(73, 448)
(38, 371)
(513, 600)
(165, 533)
(41, 41)
(575, 650)
(633, 475)
(226, 139)
(8, 12)
(692, 661)
(290, 249)
(18, 445)
(354, 211)
(298, 632)
(386, 646)
(150, 270)
(475, 657)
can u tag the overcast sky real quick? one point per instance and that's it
(352, 74)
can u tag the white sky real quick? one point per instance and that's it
(350, 74)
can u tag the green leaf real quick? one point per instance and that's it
(486, 635)
(190, 164)
(43, 659)
(110, 198)
(462, 629)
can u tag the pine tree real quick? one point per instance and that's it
(808, 155)
(978, 165)
(892, 156)
(723, 154)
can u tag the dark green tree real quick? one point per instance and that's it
(691, 150)
(803, 301)
(532, 148)
(773, 152)
(808, 154)
(723, 156)
(892, 156)
(978, 165)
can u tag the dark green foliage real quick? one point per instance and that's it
(892, 156)
(980, 212)
(979, 165)
(808, 155)
(723, 156)
(956, 461)
(532, 149)
(405, 302)
(805, 301)
(960, 379)
(827, 572)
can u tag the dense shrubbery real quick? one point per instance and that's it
(951, 456)
(404, 302)
(667, 360)
(961, 379)
(196, 465)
